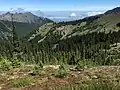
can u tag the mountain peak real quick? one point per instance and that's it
(113, 11)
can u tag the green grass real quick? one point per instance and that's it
(22, 82)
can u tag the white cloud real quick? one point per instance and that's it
(95, 13)
(70, 15)
(73, 15)
(57, 17)
(18, 10)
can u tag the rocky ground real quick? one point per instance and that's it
(47, 80)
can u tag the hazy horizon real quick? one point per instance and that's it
(61, 5)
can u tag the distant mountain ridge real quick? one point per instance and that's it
(58, 16)
(26, 17)
(24, 23)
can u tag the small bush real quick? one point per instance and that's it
(118, 24)
(85, 64)
(80, 66)
(16, 63)
(5, 64)
(38, 69)
(62, 73)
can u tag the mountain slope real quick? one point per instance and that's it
(93, 38)
(99, 23)
(24, 23)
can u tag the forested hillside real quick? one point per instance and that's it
(90, 38)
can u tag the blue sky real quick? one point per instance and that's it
(61, 5)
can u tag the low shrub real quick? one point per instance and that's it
(85, 64)
(62, 73)
(38, 69)
(5, 65)
(16, 63)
